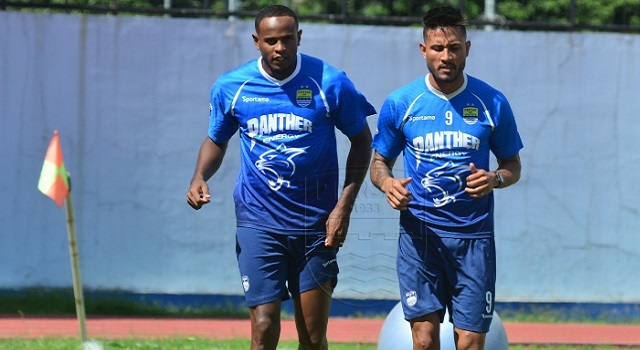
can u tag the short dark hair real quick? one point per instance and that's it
(442, 17)
(275, 11)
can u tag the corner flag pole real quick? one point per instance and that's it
(55, 183)
(75, 265)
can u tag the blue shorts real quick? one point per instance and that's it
(437, 272)
(274, 266)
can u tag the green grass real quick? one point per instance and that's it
(60, 301)
(544, 313)
(210, 344)
(38, 301)
(154, 344)
(569, 347)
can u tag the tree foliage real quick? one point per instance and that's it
(596, 12)
(587, 12)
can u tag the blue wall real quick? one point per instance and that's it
(129, 96)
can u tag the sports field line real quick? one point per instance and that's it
(342, 330)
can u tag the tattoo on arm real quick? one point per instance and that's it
(381, 169)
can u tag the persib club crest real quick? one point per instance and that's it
(304, 97)
(245, 283)
(411, 298)
(470, 115)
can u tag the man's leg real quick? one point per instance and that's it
(263, 264)
(423, 291)
(425, 332)
(472, 308)
(265, 326)
(312, 315)
(467, 340)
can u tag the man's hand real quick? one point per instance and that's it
(481, 182)
(198, 194)
(337, 228)
(396, 191)
(209, 159)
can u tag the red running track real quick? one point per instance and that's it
(340, 330)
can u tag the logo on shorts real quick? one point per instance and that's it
(329, 262)
(245, 283)
(411, 298)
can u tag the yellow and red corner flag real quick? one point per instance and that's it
(54, 181)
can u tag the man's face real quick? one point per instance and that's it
(446, 51)
(277, 39)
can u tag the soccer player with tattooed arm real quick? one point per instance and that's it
(446, 124)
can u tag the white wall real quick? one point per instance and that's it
(129, 96)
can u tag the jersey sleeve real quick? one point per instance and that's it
(389, 139)
(505, 140)
(351, 109)
(222, 123)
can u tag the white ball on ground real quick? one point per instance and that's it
(92, 345)
(396, 333)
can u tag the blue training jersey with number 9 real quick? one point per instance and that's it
(441, 135)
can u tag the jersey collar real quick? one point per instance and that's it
(287, 79)
(443, 95)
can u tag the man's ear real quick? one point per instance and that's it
(423, 49)
(255, 40)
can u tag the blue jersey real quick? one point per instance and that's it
(288, 180)
(440, 136)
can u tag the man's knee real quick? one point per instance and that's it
(265, 326)
(425, 341)
(425, 332)
(467, 340)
